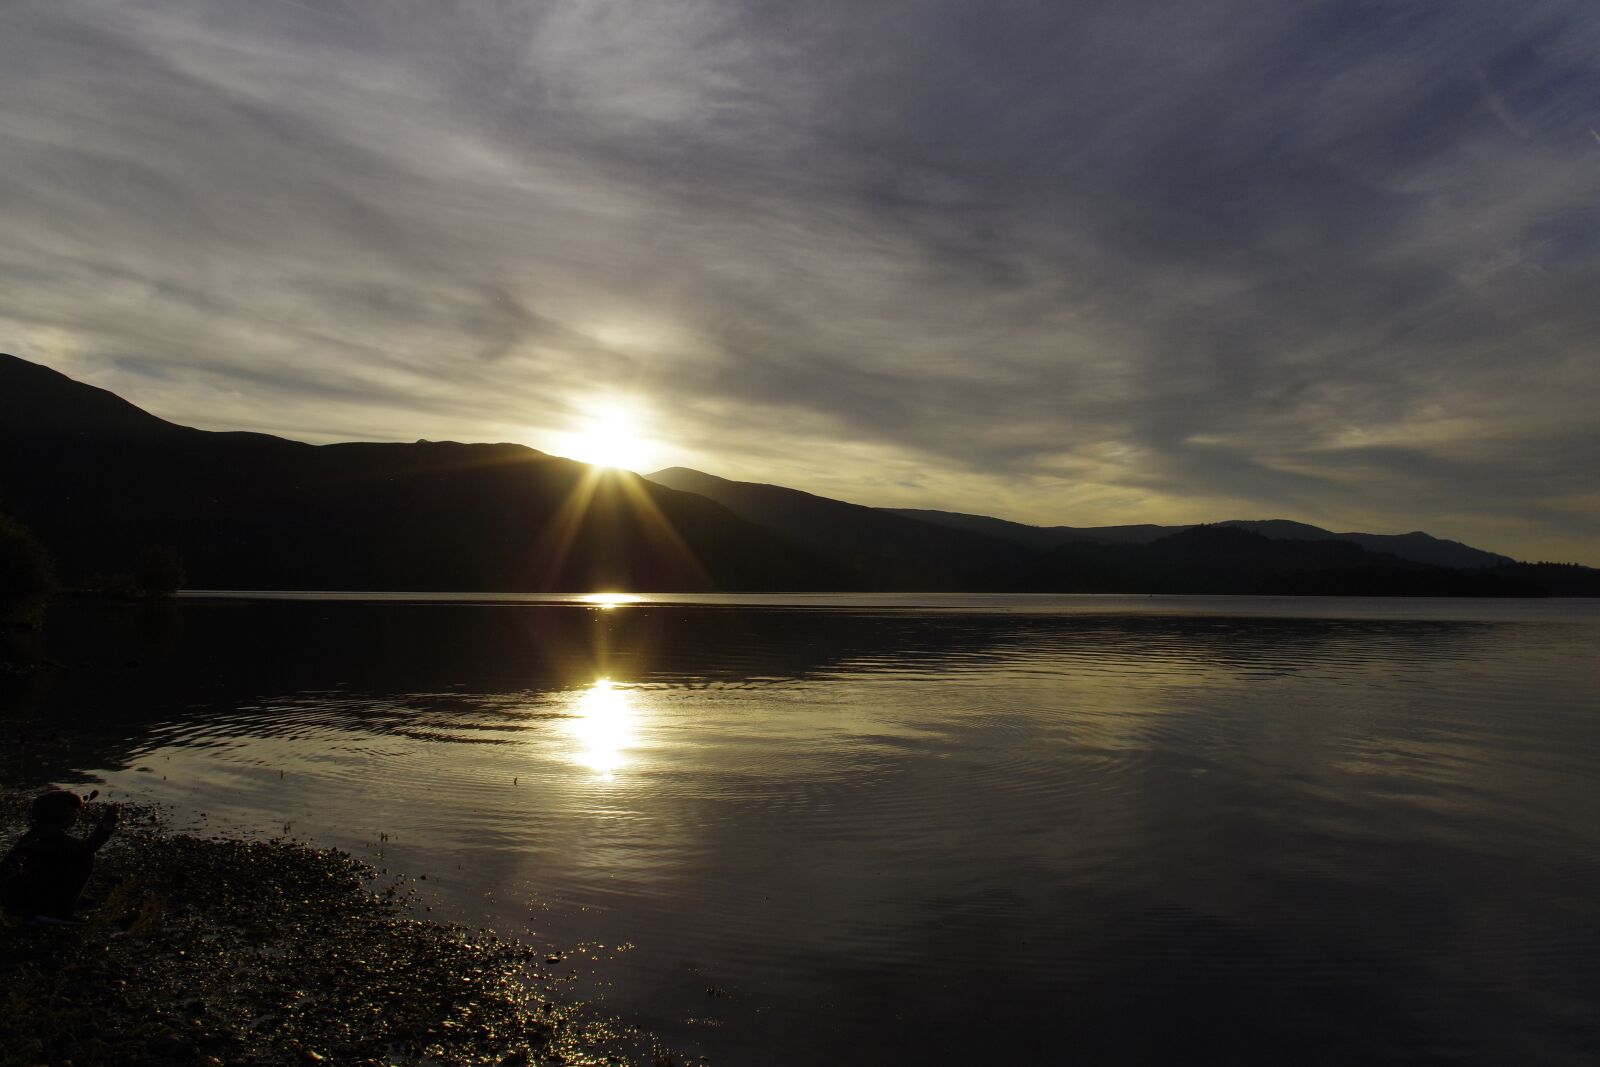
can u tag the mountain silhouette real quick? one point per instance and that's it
(1038, 538)
(1229, 558)
(899, 552)
(102, 484)
(1418, 547)
(1235, 556)
(99, 481)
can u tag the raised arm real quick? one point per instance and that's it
(102, 830)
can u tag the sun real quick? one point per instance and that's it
(609, 434)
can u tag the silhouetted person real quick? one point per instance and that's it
(45, 871)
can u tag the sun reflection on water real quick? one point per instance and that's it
(602, 725)
(607, 601)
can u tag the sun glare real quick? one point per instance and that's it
(609, 434)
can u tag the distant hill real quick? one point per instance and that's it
(1038, 537)
(99, 481)
(1553, 579)
(1417, 546)
(35, 400)
(904, 553)
(1235, 556)
(1227, 558)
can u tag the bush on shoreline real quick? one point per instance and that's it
(27, 576)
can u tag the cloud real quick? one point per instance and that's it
(1085, 264)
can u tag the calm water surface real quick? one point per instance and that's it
(952, 830)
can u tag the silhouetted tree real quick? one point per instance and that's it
(26, 575)
(160, 571)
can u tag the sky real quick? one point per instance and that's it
(1062, 262)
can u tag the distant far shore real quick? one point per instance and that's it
(1445, 608)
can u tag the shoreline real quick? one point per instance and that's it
(211, 950)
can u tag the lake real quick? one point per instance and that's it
(871, 830)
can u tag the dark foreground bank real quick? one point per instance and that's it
(213, 951)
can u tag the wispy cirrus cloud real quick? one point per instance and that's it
(1326, 260)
